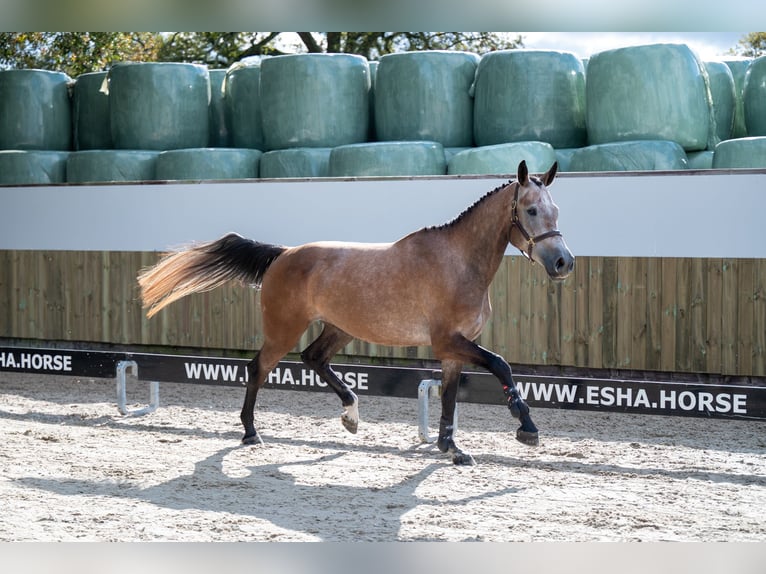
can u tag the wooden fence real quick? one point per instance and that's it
(657, 314)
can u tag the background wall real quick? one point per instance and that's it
(670, 272)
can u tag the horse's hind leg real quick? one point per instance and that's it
(258, 370)
(318, 355)
(446, 442)
(256, 379)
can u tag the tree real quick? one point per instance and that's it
(75, 53)
(217, 49)
(373, 45)
(79, 52)
(752, 45)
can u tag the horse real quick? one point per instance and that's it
(430, 287)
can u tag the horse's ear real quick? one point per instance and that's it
(550, 175)
(522, 174)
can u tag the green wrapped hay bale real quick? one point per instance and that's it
(425, 96)
(315, 100)
(242, 102)
(724, 99)
(530, 95)
(90, 113)
(450, 152)
(503, 159)
(564, 157)
(741, 153)
(35, 110)
(22, 167)
(655, 92)
(754, 98)
(111, 165)
(647, 155)
(387, 159)
(218, 129)
(208, 163)
(371, 134)
(700, 159)
(296, 162)
(738, 68)
(158, 106)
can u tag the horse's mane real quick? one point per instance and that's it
(468, 210)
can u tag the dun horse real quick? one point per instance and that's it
(428, 288)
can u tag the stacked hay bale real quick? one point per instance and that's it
(410, 114)
(523, 99)
(748, 152)
(629, 99)
(35, 126)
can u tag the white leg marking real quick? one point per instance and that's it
(350, 416)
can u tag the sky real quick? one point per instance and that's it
(707, 45)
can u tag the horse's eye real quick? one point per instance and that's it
(532, 211)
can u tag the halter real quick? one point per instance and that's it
(516, 222)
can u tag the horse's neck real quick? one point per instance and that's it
(482, 233)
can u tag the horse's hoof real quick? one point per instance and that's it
(254, 439)
(528, 438)
(463, 459)
(349, 424)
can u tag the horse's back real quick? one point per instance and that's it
(366, 289)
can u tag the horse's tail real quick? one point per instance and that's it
(204, 267)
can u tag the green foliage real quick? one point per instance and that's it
(78, 52)
(373, 45)
(75, 53)
(751, 45)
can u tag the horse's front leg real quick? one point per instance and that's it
(446, 441)
(469, 352)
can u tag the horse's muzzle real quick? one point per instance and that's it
(559, 264)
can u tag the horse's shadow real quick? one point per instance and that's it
(271, 492)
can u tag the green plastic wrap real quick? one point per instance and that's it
(208, 163)
(741, 153)
(564, 157)
(754, 98)
(35, 111)
(159, 106)
(218, 129)
(111, 165)
(655, 92)
(90, 113)
(724, 100)
(425, 96)
(530, 95)
(296, 162)
(642, 155)
(388, 159)
(700, 159)
(242, 103)
(315, 100)
(21, 167)
(503, 159)
(450, 152)
(738, 68)
(371, 135)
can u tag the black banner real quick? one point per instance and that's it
(647, 397)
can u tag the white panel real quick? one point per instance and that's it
(668, 215)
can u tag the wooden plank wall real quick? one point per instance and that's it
(657, 314)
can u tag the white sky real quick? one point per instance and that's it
(707, 45)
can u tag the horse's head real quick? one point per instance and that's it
(535, 223)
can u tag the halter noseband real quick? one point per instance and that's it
(516, 222)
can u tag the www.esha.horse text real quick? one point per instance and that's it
(35, 361)
(306, 377)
